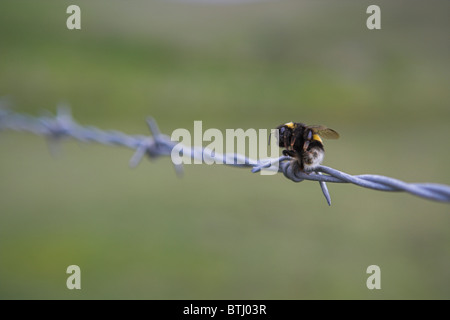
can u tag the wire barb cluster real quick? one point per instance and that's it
(63, 126)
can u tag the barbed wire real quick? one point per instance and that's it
(63, 126)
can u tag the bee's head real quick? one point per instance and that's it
(284, 133)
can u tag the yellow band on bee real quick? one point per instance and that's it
(316, 137)
(290, 125)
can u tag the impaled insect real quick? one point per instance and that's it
(304, 143)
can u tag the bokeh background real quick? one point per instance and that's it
(221, 232)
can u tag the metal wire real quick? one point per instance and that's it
(63, 126)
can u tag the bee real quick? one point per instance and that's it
(304, 143)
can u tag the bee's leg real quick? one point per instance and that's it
(292, 142)
(298, 164)
(290, 153)
(308, 138)
(306, 145)
(286, 141)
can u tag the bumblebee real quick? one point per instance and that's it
(304, 143)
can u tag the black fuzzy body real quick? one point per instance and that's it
(298, 141)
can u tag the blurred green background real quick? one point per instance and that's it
(221, 232)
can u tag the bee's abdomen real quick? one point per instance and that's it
(312, 157)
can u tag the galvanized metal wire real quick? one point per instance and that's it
(63, 126)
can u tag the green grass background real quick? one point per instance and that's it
(221, 232)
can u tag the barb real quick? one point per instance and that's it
(55, 128)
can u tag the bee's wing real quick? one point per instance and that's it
(325, 132)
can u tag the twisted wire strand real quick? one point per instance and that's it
(63, 126)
